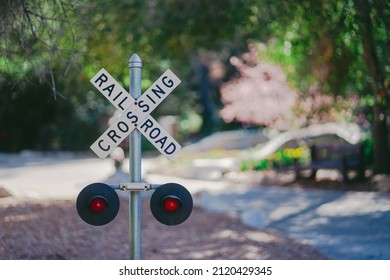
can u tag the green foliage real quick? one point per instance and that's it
(280, 159)
(368, 142)
(31, 118)
(23, 114)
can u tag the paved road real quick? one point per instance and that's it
(343, 225)
(56, 176)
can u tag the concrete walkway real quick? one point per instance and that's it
(342, 225)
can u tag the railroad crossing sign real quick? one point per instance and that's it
(98, 204)
(136, 114)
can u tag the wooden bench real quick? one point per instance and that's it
(343, 157)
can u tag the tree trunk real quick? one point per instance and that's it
(380, 133)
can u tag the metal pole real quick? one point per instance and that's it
(135, 66)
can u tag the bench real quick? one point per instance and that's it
(343, 157)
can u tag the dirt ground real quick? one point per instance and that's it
(53, 230)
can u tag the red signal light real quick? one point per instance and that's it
(171, 204)
(98, 204)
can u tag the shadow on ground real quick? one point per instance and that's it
(53, 230)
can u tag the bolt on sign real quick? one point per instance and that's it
(135, 114)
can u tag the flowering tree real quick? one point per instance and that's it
(260, 96)
(316, 107)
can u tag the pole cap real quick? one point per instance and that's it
(135, 61)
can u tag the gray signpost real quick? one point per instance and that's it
(135, 66)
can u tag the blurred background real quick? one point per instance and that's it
(258, 65)
(270, 90)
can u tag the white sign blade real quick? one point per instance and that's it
(155, 94)
(136, 113)
(159, 137)
(115, 134)
(112, 90)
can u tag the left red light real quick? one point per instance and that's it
(98, 204)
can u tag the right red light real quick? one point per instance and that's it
(171, 204)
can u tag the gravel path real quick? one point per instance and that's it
(51, 229)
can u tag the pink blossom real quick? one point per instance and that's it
(260, 96)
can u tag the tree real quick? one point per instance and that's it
(41, 49)
(168, 34)
(40, 35)
(260, 96)
(324, 39)
(365, 10)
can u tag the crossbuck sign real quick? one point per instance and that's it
(136, 114)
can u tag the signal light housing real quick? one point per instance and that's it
(171, 204)
(97, 204)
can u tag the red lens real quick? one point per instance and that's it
(98, 204)
(171, 204)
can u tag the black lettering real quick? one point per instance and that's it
(116, 97)
(101, 147)
(123, 126)
(112, 134)
(120, 104)
(156, 92)
(102, 78)
(131, 116)
(142, 105)
(155, 134)
(110, 88)
(168, 83)
(148, 124)
(151, 99)
(162, 141)
(170, 149)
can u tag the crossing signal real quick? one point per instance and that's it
(97, 204)
(171, 204)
